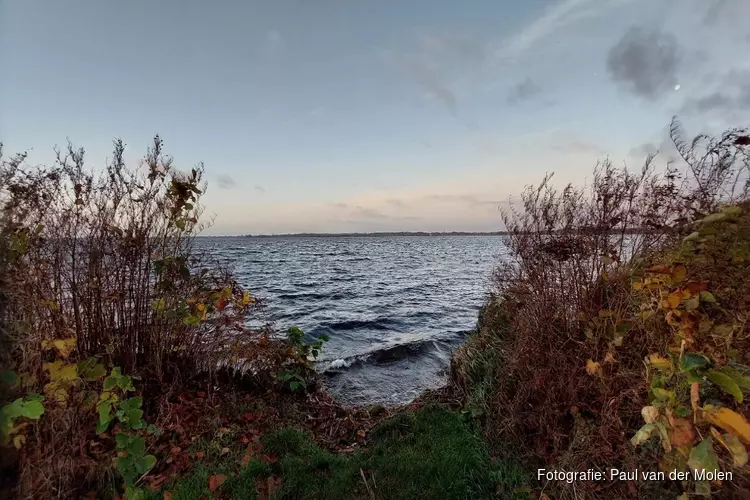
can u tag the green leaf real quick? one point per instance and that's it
(294, 385)
(738, 376)
(32, 410)
(95, 372)
(726, 382)
(103, 409)
(109, 383)
(643, 434)
(136, 446)
(691, 361)
(127, 467)
(663, 394)
(131, 403)
(133, 417)
(135, 493)
(709, 219)
(122, 440)
(692, 236)
(703, 456)
(707, 297)
(681, 411)
(692, 304)
(143, 464)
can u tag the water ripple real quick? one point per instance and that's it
(393, 307)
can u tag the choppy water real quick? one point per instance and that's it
(394, 307)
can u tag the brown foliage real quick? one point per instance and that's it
(564, 297)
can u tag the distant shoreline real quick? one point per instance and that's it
(365, 235)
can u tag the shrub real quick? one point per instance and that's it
(97, 269)
(568, 383)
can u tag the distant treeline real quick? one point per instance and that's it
(359, 235)
(426, 233)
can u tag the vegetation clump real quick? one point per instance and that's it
(617, 335)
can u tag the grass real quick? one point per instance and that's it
(430, 453)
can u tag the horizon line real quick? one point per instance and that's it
(355, 234)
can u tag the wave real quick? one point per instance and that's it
(387, 354)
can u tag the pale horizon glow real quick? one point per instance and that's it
(336, 116)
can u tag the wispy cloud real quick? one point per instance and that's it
(274, 43)
(730, 98)
(523, 91)
(559, 15)
(225, 182)
(449, 65)
(580, 147)
(259, 188)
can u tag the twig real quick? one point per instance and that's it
(372, 494)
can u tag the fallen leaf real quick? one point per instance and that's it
(679, 272)
(200, 454)
(734, 446)
(728, 420)
(650, 414)
(683, 432)
(215, 481)
(643, 434)
(674, 299)
(224, 451)
(592, 367)
(703, 457)
(659, 362)
(167, 495)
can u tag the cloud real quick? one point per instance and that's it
(645, 62)
(368, 213)
(558, 16)
(462, 199)
(441, 63)
(397, 203)
(225, 182)
(274, 43)
(259, 189)
(430, 81)
(731, 98)
(644, 150)
(580, 147)
(523, 91)
(339, 205)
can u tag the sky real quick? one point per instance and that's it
(349, 116)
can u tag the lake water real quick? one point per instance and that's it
(393, 307)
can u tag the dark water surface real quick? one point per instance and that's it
(394, 307)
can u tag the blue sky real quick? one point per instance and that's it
(342, 115)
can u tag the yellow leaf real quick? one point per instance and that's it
(592, 367)
(674, 299)
(638, 285)
(65, 346)
(729, 420)
(659, 362)
(60, 371)
(247, 299)
(18, 441)
(679, 272)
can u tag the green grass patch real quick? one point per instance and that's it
(431, 453)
